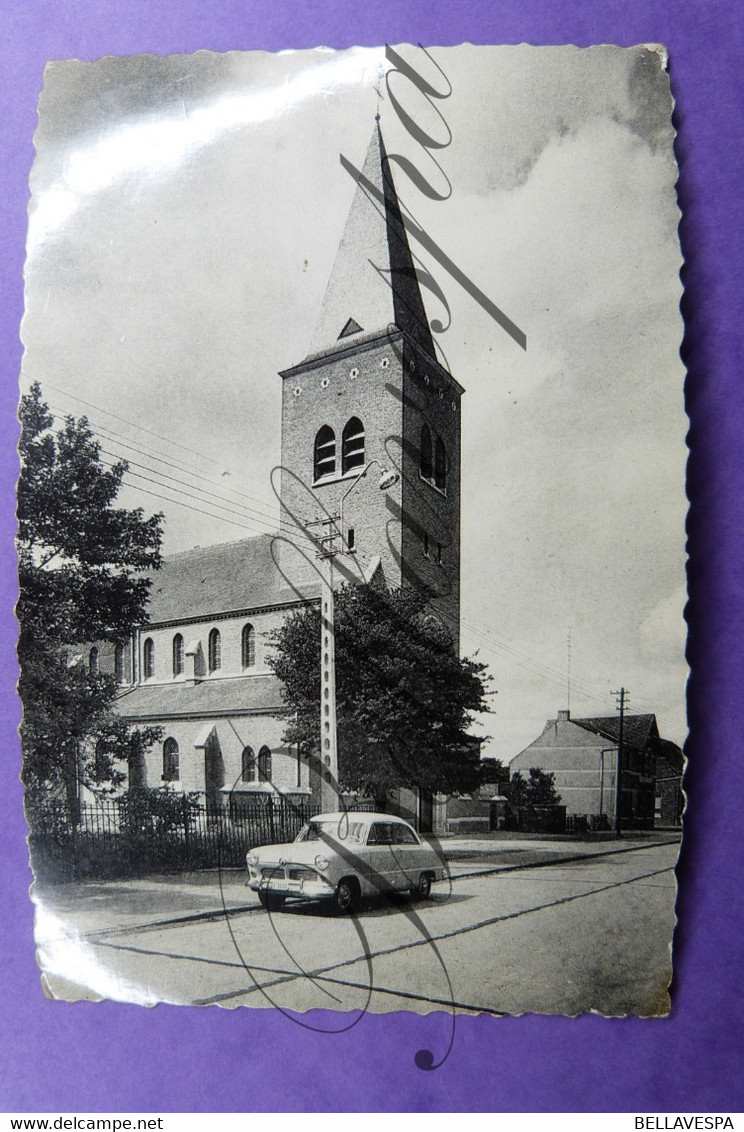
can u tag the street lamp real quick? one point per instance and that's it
(328, 727)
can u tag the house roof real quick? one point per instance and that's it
(212, 697)
(224, 578)
(637, 729)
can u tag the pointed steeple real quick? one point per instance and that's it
(373, 283)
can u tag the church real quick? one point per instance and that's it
(370, 396)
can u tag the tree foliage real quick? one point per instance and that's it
(405, 700)
(538, 790)
(81, 563)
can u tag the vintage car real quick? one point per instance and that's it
(344, 857)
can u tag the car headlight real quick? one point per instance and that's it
(321, 862)
(252, 859)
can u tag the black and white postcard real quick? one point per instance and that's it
(352, 530)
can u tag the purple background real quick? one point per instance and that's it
(107, 1057)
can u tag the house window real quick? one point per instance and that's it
(248, 765)
(93, 661)
(350, 538)
(170, 761)
(178, 662)
(427, 456)
(215, 650)
(264, 765)
(325, 453)
(119, 663)
(248, 646)
(149, 658)
(352, 446)
(426, 544)
(440, 465)
(440, 558)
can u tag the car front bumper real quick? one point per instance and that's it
(282, 884)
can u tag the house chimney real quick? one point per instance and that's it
(564, 716)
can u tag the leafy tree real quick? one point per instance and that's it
(494, 771)
(81, 563)
(404, 698)
(538, 790)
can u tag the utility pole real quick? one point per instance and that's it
(329, 799)
(622, 699)
(334, 529)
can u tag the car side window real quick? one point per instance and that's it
(404, 835)
(381, 833)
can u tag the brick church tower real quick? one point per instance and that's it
(371, 394)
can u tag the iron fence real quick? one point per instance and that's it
(131, 835)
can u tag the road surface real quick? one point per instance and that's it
(562, 938)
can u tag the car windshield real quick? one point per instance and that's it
(339, 829)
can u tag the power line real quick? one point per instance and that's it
(270, 522)
(266, 529)
(158, 436)
(112, 435)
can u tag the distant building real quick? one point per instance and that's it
(582, 755)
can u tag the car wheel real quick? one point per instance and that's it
(423, 888)
(272, 901)
(347, 895)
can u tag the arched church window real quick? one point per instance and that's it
(426, 454)
(119, 663)
(248, 765)
(93, 661)
(264, 765)
(215, 650)
(170, 761)
(248, 646)
(352, 446)
(325, 453)
(149, 658)
(178, 661)
(440, 465)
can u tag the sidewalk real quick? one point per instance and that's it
(511, 851)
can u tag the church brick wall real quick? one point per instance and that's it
(374, 396)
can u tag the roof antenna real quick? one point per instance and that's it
(568, 678)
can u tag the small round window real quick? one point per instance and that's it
(324, 383)
(296, 391)
(384, 363)
(353, 373)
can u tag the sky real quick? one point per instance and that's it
(184, 219)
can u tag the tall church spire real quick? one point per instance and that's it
(373, 283)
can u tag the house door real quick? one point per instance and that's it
(214, 773)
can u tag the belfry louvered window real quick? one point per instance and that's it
(440, 465)
(119, 663)
(352, 446)
(427, 455)
(325, 453)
